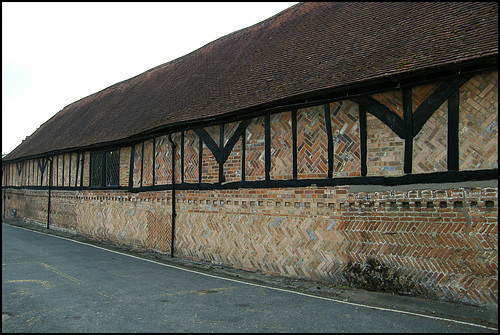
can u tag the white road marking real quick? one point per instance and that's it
(269, 287)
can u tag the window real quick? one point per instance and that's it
(105, 168)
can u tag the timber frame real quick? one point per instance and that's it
(294, 148)
(406, 127)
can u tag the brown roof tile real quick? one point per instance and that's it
(307, 48)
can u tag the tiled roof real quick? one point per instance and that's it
(310, 47)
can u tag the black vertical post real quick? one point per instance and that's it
(154, 161)
(50, 186)
(453, 125)
(77, 163)
(4, 201)
(57, 171)
(221, 154)
(69, 172)
(363, 139)
(131, 168)
(103, 170)
(62, 169)
(182, 157)
(243, 154)
(408, 130)
(82, 162)
(28, 169)
(267, 145)
(200, 158)
(328, 124)
(142, 161)
(173, 196)
(294, 144)
(41, 169)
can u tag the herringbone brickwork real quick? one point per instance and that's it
(255, 150)
(124, 166)
(281, 146)
(346, 142)
(163, 165)
(26, 171)
(479, 122)
(312, 143)
(67, 171)
(440, 240)
(159, 228)
(438, 232)
(31, 177)
(78, 170)
(137, 165)
(176, 138)
(86, 169)
(191, 157)
(140, 220)
(57, 171)
(430, 145)
(72, 174)
(147, 163)
(315, 233)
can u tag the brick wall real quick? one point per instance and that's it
(254, 146)
(281, 146)
(312, 159)
(141, 220)
(163, 165)
(479, 122)
(437, 240)
(191, 158)
(440, 242)
(124, 166)
(232, 167)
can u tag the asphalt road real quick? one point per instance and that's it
(53, 284)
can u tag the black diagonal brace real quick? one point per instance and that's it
(220, 153)
(236, 136)
(19, 166)
(382, 113)
(435, 100)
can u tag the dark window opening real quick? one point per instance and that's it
(105, 169)
(113, 168)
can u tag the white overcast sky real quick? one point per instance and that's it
(55, 53)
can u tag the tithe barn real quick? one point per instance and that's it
(352, 143)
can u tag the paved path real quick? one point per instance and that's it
(53, 284)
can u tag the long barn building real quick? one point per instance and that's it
(352, 143)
